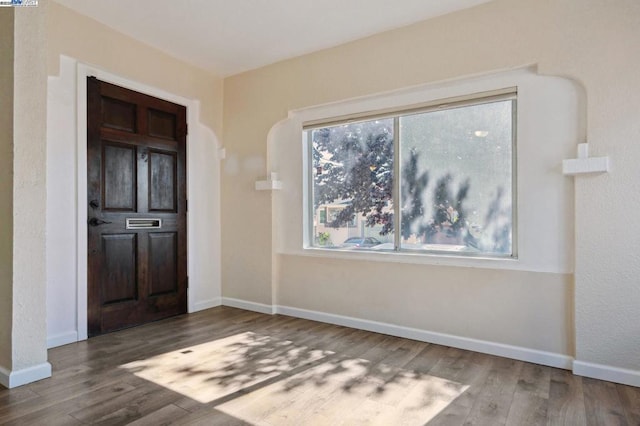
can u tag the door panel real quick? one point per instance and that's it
(136, 148)
(119, 282)
(163, 253)
(119, 177)
(162, 175)
(118, 114)
(161, 124)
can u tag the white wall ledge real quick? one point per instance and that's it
(585, 164)
(271, 182)
(423, 258)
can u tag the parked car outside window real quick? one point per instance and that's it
(359, 242)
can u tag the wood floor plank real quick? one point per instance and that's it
(211, 417)
(535, 379)
(473, 375)
(566, 399)
(527, 409)
(51, 420)
(17, 396)
(630, 399)
(150, 402)
(167, 415)
(493, 404)
(39, 410)
(279, 370)
(602, 403)
(426, 359)
(531, 398)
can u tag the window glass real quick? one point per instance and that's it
(453, 185)
(353, 182)
(456, 179)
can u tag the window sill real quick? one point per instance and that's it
(422, 258)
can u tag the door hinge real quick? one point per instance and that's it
(186, 129)
(187, 281)
(186, 205)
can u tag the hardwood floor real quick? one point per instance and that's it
(226, 366)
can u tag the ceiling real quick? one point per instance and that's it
(231, 36)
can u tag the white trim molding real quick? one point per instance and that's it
(607, 372)
(13, 379)
(249, 306)
(62, 339)
(206, 304)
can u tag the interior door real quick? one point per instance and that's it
(136, 187)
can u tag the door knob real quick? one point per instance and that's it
(94, 204)
(94, 221)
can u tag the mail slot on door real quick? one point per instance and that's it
(144, 223)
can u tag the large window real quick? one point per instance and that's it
(437, 178)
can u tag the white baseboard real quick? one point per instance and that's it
(12, 379)
(206, 304)
(508, 351)
(62, 339)
(249, 306)
(606, 372)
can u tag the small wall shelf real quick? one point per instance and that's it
(585, 164)
(269, 184)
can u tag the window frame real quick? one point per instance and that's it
(480, 98)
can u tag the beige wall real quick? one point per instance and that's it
(482, 304)
(95, 44)
(593, 42)
(6, 184)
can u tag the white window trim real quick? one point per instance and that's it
(549, 119)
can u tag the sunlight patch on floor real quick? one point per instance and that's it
(264, 380)
(219, 368)
(348, 391)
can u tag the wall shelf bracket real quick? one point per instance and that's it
(585, 164)
(270, 183)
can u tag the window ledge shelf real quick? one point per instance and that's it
(430, 259)
(269, 184)
(585, 164)
(580, 166)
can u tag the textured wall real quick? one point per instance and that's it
(593, 42)
(29, 202)
(6, 184)
(597, 41)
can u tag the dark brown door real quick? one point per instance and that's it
(136, 208)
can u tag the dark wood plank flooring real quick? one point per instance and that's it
(227, 366)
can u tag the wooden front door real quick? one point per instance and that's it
(136, 208)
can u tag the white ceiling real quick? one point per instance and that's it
(231, 36)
